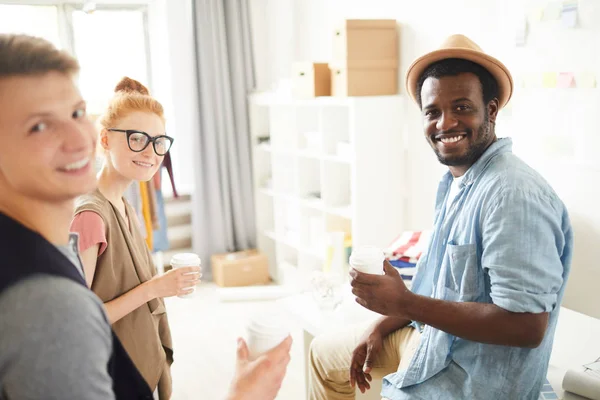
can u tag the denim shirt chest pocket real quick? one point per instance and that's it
(462, 279)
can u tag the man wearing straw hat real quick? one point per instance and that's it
(480, 319)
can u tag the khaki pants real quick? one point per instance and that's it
(330, 356)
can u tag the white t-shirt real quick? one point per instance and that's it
(454, 189)
(71, 251)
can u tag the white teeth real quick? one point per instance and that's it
(143, 164)
(76, 165)
(453, 139)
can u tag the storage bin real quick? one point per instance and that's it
(364, 78)
(243, 268)
(311, 79)
(360, 39)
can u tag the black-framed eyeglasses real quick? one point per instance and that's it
(138, 141)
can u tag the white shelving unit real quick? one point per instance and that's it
(323, 165)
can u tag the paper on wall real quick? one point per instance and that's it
(585, 80)
(568, 14)
(549, 79)
(521, 31)
(520, 81)
(566, 80)
(552, 11)
(532, 80)
(537, 14)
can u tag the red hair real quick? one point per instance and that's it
(130, 95)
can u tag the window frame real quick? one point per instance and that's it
(65, 11)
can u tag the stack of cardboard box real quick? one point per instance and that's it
(364, 62)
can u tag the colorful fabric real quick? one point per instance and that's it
(402, 264)
(153, 205)
(408, 247)
(168, 164)
(407, 270)
(134, 197)
(160, 238)
(146, 213)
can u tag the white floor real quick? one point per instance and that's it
(204, 336)
(205, 332)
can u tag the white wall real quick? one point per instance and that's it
(555, 130)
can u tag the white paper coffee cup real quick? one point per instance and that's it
(367, 259)
(265, 332)
(182, 260)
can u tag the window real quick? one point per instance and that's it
(31, 20)
(109, 44)
(110, 41)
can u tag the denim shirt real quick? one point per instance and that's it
(505, 239)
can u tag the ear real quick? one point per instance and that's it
(492, 109)
(104, 139)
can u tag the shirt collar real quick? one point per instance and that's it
(500, 146)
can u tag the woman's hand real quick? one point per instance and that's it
(176, 282)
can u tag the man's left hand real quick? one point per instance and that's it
(385, 294)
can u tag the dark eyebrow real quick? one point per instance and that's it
(459, 100)
(429, 107)
(462, 99)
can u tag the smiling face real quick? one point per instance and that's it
(458, 124)
(132, 165)
(48, 142)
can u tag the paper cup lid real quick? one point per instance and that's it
(269, 324)
(186, 259)
(365, 255)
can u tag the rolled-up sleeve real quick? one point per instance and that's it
(523, 242)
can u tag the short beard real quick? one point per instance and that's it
(476, 149)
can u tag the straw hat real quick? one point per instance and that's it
(460, 46)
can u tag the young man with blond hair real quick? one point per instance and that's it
(55, 339)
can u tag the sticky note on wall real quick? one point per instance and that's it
(537, 14)
(521, 31)
(552, 11)
(585, 80)
(568, 14)
(565, 80)
(532, 80)
(549, 79)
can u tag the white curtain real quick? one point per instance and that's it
(223, 209)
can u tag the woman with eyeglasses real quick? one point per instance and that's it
(117, 262)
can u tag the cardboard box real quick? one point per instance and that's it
(311, 79)
(364, 78)
(243, 268)
(366, 39)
